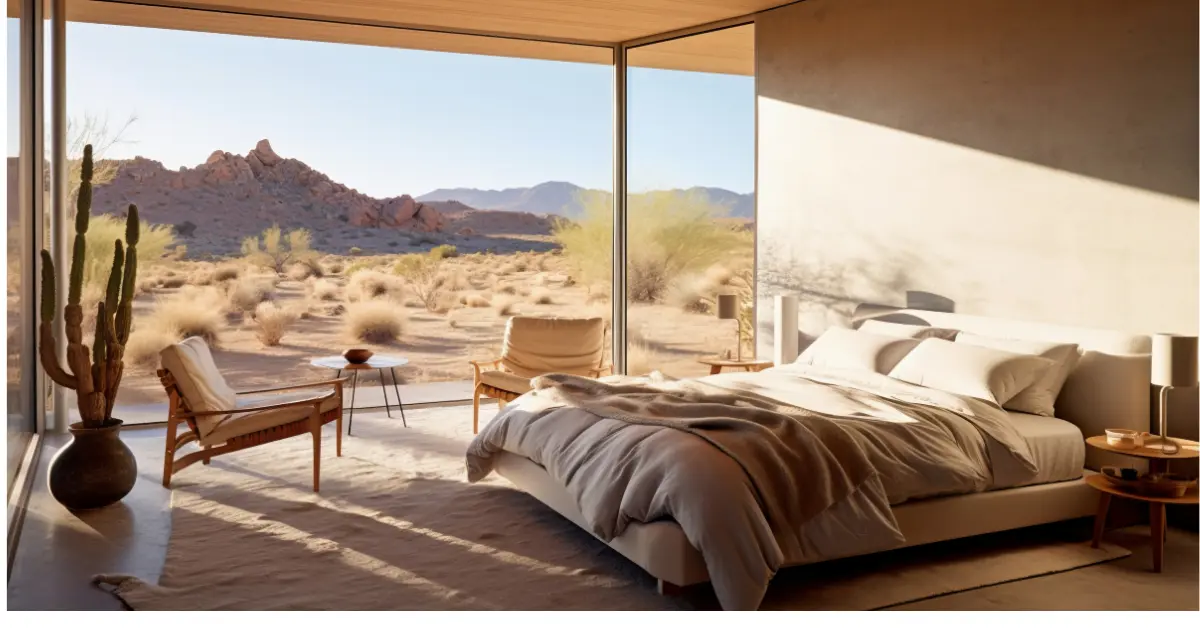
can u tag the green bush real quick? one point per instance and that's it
(276, 250)
(443, 251)
(420, 272)
(670, 237)
(103, 232)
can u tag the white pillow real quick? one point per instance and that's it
(901, 330)
(979, 372)
(1039, 397)
(844, 348)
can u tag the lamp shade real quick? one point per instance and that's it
(1173, 360)
(727, 306)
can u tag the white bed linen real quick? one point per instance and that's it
(1056, 446)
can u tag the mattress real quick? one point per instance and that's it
(1056, 445)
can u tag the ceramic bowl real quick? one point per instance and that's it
(357, 356)
(1123, 439)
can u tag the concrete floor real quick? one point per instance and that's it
(58, 552)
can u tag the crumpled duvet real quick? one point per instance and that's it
(790, 465)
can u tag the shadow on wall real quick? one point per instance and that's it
(1076, 85)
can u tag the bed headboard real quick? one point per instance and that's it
(1110, 387)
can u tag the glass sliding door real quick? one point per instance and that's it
(409, 201)
(690, 172)
(23, 177)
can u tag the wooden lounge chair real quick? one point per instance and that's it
(222, 421)
(536, 346)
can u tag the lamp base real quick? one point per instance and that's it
(1169, 447)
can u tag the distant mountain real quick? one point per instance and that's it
(560, 198)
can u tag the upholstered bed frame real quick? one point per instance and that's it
(1110, 387)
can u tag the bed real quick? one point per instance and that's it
(1108, 387)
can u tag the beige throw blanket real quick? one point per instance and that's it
(757, 477)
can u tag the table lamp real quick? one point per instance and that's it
(1172, 364)
(727, 309)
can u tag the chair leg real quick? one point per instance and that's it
(338, 425)
(476, 408)
(317, 459)
(169, 451)
(207, 461)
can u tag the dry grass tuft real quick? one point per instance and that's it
(195, 312)
(453, 281)
(143, 347)
(375, 322)
(173, 281)
(641, 359)
(475, 300)
(324, 290)
(271, 323)
(542, 297)
(504, 306)
(245, 294)
(227, 272)
(366, 285)
(506, 289)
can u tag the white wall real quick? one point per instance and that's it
(1018, 158)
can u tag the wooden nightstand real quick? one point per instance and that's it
(717, 364)
(1158, 505)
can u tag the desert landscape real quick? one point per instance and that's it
(274, 264)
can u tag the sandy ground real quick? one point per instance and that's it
(437, 345)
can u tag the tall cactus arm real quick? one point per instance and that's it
(100, 348)
(113, 291)
(78, 259)
(48, 346)
(83, 203)
(124, 313)
(133, 227)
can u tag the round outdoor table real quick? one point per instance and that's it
(379, 363)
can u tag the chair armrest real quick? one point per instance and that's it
(329, 382)
(314, 401)
(602, 371)
(478, 364)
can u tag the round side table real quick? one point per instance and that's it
(716, 365)
(379, 363)
(1158, 505)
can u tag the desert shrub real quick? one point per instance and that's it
(542, 297)
(225, 273)
(375, 322)
(693, 293)
(194, 312)
(200, 277)
(444, 302)
(245, 294)
(335, 267)
(311, 267)
(504, 306)
(475, 300)
(103, 232)
(506, 289)
(298, 272)
(173, 282)
(453, 281)
(144, 345)
(354, 250)
(370, 284)
(271, 323)
(324, 290)
(276, 250)
(146, 286)
(443, 251)
(334, 309)
(420, 273)
(670, 236)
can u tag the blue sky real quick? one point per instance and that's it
(389, 121)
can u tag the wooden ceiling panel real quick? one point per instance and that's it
(598, 21)
(727, 51)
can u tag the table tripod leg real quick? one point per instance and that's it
(399, 401)
(383, 389)
(353, 390)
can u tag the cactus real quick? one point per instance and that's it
(94, 374)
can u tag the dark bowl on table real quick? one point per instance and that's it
(357, 356)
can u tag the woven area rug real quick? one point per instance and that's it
(396, 526)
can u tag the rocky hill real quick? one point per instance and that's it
(559, 198)
(228, 197)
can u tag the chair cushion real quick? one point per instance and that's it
(535, 346)
(231, 426)
(199, 381)
(506, 381)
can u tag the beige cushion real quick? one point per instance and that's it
(839, 347)
(231, 426)
(1039, 398)
(980, 372)
(900, 330)
(506, 381)
(198, 380)
(535, 346)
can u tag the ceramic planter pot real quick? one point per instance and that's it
(94, 470)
